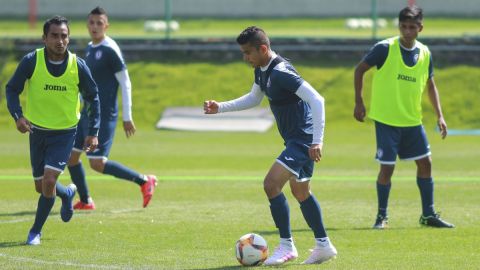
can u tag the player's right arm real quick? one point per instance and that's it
(250, 100)
(375, 57)
(359, 111)
(15, 87)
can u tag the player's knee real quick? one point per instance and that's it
(38, 188)
(424, 165)
(97, 166)
(301, 195)
(270, 188)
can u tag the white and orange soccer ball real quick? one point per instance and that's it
(251, 249)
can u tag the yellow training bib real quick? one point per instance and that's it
(53, 102)
(397, 88)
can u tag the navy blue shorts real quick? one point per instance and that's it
(409, 143)
(295, 158)
(50, 149)
(105, 137)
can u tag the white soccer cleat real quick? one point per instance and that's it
(33, 239)
(282, 255)
(321, 254)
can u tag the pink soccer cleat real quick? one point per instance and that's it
(148, 188)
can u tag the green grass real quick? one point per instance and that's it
(193, 224)
(159, 85)
(291, 27)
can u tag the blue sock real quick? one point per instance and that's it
(118, 170)
(61, 191)
(426, 193)
(77, 173)
(281, 215)
(313, 215)
(383, 191)
(43, 210)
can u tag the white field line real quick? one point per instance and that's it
(18, 220)
(64, 263)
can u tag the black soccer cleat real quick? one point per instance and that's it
(381, 222)
(435, 221)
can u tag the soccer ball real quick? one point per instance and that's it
(251, 249)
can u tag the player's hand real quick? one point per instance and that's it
(210, 107)
(315, 152)
(129, 128)
(359, 112)
(442, 126)
(91, 143)
(23, 125)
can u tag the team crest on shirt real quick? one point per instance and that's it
(269, 83)
(98, 55)
(416, 57)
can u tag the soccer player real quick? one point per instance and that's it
(404, 68)
(299, 112)
(109, 71)
(55, 77)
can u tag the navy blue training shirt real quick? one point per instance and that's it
(293, 115)
(104, 60)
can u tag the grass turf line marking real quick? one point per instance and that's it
(15, 220)
(260, 178)
(43, 262)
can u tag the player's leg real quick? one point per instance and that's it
(59, 146)
(76, 169)
(287, 166)
(44, 205)
(310, 207)
(415, 147)
(388, 138)
(273, 183)
(100, 163)
(77, 174)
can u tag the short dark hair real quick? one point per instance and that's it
(57, 20)
(414, 13)
(98, 11)
(255, 36)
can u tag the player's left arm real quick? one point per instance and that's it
(89, 91)
(317, 103)
(435, 100)
(125, 84)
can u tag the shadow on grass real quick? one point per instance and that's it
(374, 230)
(11, 244)
(224, 267)
(275, 232)
(18, 214)
(25, 213)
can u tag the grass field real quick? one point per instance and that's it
(291, 27)
(210, 193)
(211, 184)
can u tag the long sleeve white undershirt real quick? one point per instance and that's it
(247, 101)
(317, 103)
(126, 86)
(306, 92)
